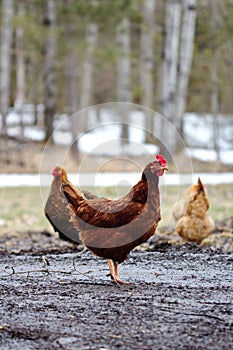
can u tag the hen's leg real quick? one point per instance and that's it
(113, 266)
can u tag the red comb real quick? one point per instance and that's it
(161, 160)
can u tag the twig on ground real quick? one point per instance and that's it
(45, 270)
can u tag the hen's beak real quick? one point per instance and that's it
(165, 168)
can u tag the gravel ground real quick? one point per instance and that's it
(180, 297)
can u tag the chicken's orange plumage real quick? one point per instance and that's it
(112, 228)
(195, 223)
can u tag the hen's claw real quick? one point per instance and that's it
(117, 280)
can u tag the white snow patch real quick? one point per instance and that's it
(198, 130)
(62, 137)
(202, 154)
(34, 133)
(210, 155)
(2, 222)
(104, 135)
(112, 179)
(106, 140)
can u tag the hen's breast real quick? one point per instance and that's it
(113, 234)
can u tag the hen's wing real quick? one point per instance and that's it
(101, 212)
(107, 224)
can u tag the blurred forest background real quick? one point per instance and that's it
(58, 57)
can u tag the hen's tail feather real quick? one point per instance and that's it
(73, 195)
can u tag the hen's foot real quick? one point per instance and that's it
(117, 280)
(113, 266)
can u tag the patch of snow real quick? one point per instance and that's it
(34, 133)
(101, 140)
(112, 179)
(62, 137)
(29, 132)
(210, 155)
(2, 222)
(226, 157)
(152, 149)
(14, 131)
(17, 180)
(202, 154)
(28, 117)
(198, 130)
(106, 140)
(104, 134)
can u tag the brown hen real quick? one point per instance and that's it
(196, 224)
(112, 228)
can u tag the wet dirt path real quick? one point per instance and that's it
(180, 298)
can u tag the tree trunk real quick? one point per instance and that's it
(169, 75)
(147, 62)
(20, 67)
(214, 80)
(72, 95)
(5, 64)
(123, 76)
(185, 59)
(71, 75)
(71, 61)
(87, 78)
(49, 68)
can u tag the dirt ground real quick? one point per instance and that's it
(57, 296)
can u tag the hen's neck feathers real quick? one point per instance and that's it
(147, 184)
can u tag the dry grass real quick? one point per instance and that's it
(21, 209)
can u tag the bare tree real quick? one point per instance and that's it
(49, 67)
(185, 59)
(87, 73)
(71, 65)
(20, 65)
(214, 79)
(124, 74)
(71, 73)
(176, 65)
(169, 71)
(87, 78)
(5, 63)
(147, 60)
(79, 123)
